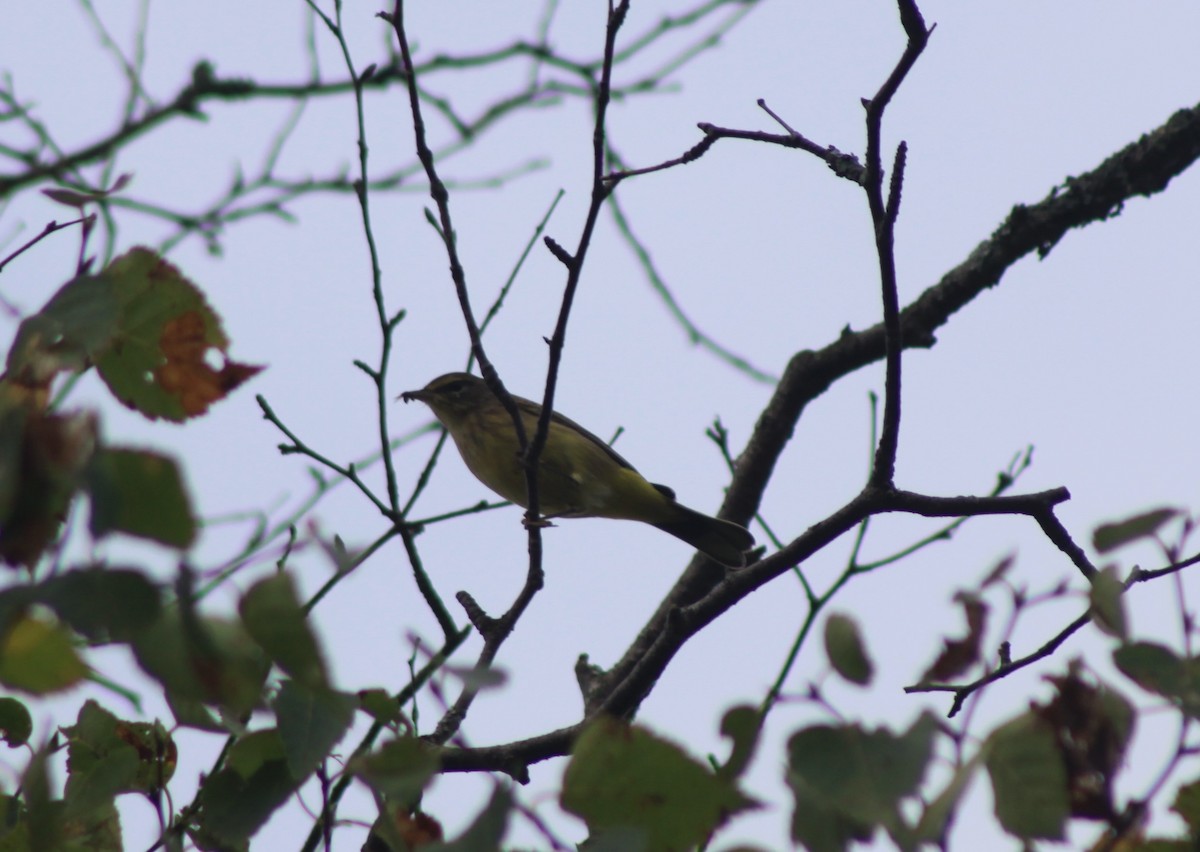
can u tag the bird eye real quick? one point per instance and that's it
(454, 388)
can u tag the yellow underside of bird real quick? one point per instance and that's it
(579, 476)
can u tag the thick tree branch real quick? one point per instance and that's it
(1142, 168)
(621, 698)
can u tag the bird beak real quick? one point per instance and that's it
(418, 395)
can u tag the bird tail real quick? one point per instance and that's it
(724, 541)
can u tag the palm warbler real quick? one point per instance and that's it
(579, 476)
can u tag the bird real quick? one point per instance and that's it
(579, 476)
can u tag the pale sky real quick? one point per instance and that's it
(1088, 355)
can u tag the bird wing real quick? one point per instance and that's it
(534, 410)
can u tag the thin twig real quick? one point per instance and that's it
(453, 718)
(49, 229)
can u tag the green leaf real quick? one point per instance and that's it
(742, 725)
(100, 762)
(624, 776)
(157, 754)
(379, 705)
(14, 825)
(1118, 533)
(192, 713)
(1029, 781)
(1108, 605)
(486, 831)
(202, 660)
(272, 614)
(1187, 805)
(1152, 666)
(621, 839)
(935, 819)
(74, 327)
(1156, 668)
(91, 738)
(236, 801)
(165, 653)
(97, 830)
(1158, 844)
(399, 769)
(44, 814)
(477, 679)
(846, 650)
(311, 723)
(38, 657)
(142, 494)
(103, 603)
(857, 777)
(165, 330)
(254, 750)
(107, 756)
(820, 828)
(14, 602)
(99, 786)
(15, 722)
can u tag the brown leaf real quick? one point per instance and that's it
(186, 375)
(998, 573)
(78, 198)
(52, 452)
(1092, 727)
(958, 655)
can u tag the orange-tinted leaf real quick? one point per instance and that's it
(186, 375)
(159, 361)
